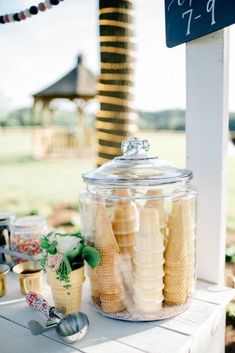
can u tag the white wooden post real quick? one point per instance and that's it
(207, 136)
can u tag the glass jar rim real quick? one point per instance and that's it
(29, 223)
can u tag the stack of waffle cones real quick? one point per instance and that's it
(189, 205)
(109, 275)
(125, 225)
(180, 252)
(68, 299)
(89, 214)
(125, 222)
(148, 262)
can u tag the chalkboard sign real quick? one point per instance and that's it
(191, 19)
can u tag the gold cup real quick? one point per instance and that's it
(4, 269)
(30, 276)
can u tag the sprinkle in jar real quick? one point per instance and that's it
(26, 234)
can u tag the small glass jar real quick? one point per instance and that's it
(26, 234)
(6, 220)
(140, 213)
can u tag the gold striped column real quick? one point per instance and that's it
(116, 119)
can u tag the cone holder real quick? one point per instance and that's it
(166, 312)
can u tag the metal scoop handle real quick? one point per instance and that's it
(37, 302)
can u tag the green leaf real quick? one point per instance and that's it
(75, 253)
(45, 244)
(91, 256)
(67, 264)
(52, 251)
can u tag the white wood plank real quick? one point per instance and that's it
(210, 338)
(158, 340)
(16, 339)
(111, 347)
(214, 294)
(190, 321)
(207, 136)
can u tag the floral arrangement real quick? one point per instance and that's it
(64, 253)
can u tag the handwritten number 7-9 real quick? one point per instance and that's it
(210, 8)
(189, 13)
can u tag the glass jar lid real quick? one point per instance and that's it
(29, 223)
(136, 166)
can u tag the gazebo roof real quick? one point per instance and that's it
(78, 83)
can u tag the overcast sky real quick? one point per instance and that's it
(38, 51)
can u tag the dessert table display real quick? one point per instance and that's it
(140, 213)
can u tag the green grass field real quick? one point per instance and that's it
(28, 185)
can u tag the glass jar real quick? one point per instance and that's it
(140, 213)
(26, 234)
(6, 220)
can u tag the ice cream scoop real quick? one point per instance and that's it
(70, 328)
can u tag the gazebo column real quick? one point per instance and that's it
(116, 118)
(37, 131)
(80, 105)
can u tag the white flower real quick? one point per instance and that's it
(67, 243)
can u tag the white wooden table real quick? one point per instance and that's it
(199, 329)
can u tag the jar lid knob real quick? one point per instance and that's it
(135, 147)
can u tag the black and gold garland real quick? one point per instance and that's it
(116, 118)
(33, 10)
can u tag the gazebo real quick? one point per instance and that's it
(77, 86)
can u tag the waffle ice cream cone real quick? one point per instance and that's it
(68, 299)
(127, 249)
(122, 226)
(125, 239)
(105, 240)
(109, 275)
(185, 211)
(112, 307)
(176, 257)
(125, 222)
